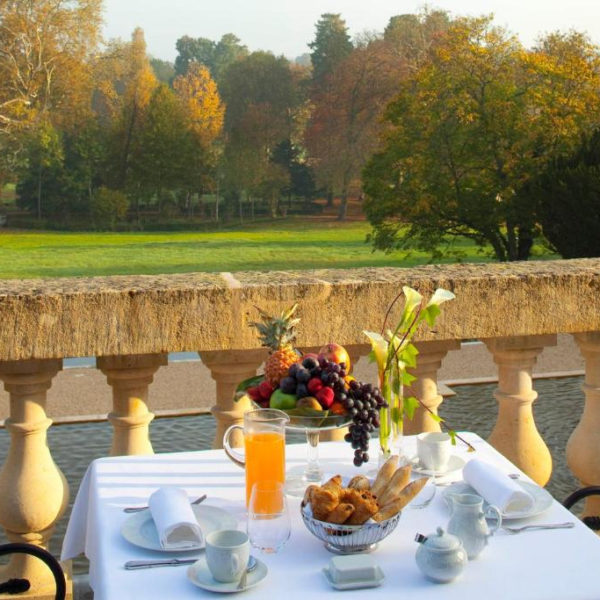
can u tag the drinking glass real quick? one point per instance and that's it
(269, 524)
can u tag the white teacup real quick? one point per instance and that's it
(227, 554)
(433, 450)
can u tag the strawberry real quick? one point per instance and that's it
(314, 385)
(265, 389)
(325, 396)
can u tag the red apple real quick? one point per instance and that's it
(336, 354)
(254, 393)
(265, 389)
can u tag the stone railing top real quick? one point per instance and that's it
(54, 318)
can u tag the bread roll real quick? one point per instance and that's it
(399, 481)
(385, 474)
(411, 490)
(360, 482)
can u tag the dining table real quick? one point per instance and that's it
(556, 564)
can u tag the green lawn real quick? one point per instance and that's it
(290, 244)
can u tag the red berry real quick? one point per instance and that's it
(265, 389)
(325, 396)
(254, 393)
(314, 385)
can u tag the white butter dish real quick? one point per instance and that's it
(353, 571)
(355, 584)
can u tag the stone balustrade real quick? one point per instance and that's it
(131, 323)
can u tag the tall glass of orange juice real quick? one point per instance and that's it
(264, 443)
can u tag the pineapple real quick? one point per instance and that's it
(278, 334)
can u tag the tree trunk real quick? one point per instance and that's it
(497, 243)
(329, 198)
(511, 234)
(217, 204)
(39, 193)
(343, 210)
(525, 243)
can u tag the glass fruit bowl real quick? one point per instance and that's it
(349, 539)
(310, 422)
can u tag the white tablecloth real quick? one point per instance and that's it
(544, 565)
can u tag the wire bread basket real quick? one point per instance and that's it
(350, 539)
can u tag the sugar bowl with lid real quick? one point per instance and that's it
(440, 556)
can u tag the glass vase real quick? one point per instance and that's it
(391, 424)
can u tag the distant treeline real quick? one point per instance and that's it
(447, 126)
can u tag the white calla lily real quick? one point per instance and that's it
(413, 299)
(440, 296)
(380, 349)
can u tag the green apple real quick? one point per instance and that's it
(282, 401)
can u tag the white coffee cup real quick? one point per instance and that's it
(227, 554)
(433, 450)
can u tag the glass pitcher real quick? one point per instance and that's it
(468, 522)
(264, 443)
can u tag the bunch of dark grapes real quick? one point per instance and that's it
(362, 403)
(318, 378)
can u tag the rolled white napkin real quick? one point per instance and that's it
(496, 487)
(174, 519)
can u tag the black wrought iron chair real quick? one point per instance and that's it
(18, 586)
(593, 490)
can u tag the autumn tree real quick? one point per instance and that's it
(263, 98)
(215, 56)
(412, 36)
(566, 196)
(162, 153)
(469, 128)
(44, 46)
(331, 45)
(125, 85)
(205, 114)
(345, 123)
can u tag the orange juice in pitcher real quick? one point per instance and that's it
(264, 442)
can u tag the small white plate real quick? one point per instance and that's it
(542, 500)
(199, 574)
(139, 528)
(456, 463)
(355, 584)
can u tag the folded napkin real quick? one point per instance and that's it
(496, 487)
(174, 519)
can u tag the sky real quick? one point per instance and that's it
(286, 27)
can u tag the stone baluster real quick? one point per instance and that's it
(429, 362)
(515, 434)
(228, 368)
(34, 490)
(130, 376)
(583, 448)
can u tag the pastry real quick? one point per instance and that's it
(397, 483)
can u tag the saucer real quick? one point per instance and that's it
(139, 529)
(456, 463)
(542, 500)
(199, 574)
(355, 584)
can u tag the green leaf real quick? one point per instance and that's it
(436, 418)
(452, 435)
(407, 378)
(431, 313)
(250, 382)
(410, 406)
